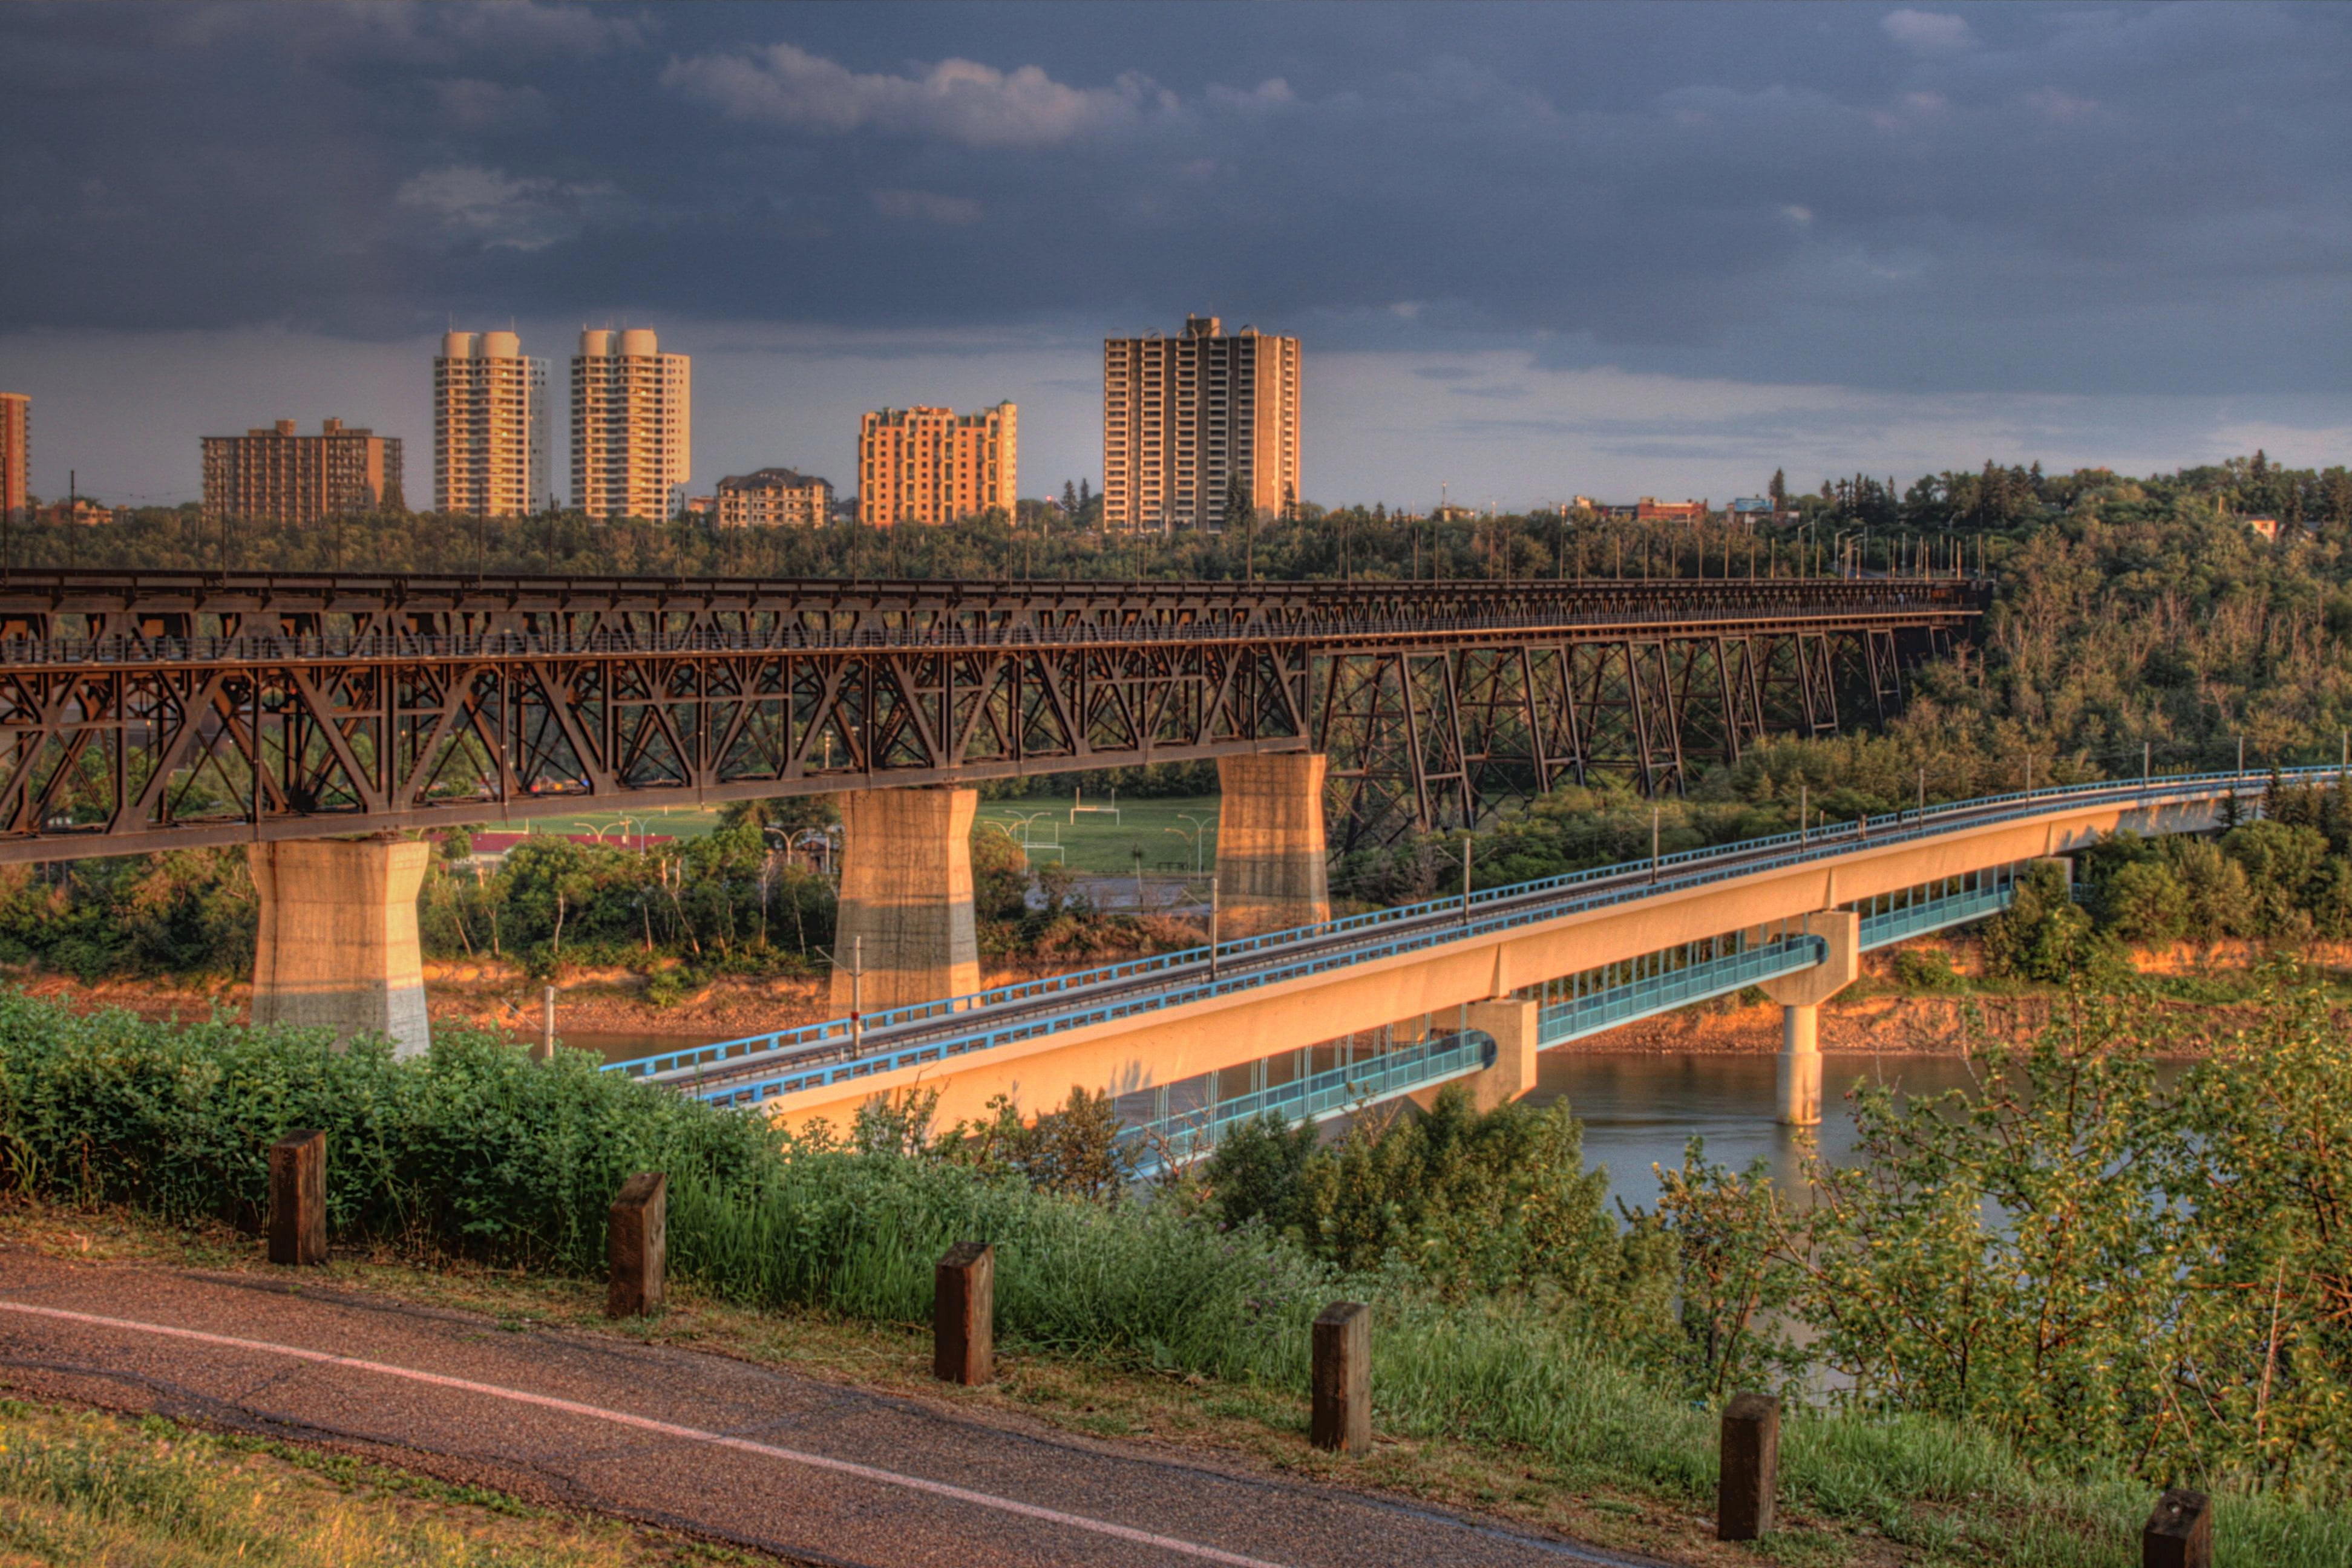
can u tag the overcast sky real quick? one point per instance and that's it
(1532, 250)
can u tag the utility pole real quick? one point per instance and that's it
(1465, 879)
(1655, 813)
(1804, 816)
(1214, 910)
(856, 995)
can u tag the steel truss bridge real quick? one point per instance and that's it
(150, 710)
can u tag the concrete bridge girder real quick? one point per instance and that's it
(1146, 1050)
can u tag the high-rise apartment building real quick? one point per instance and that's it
(489, 427)
(1187, 419)
(774, 499)
(631, 425)
(16, 453)
(935, 465)
(276, 476)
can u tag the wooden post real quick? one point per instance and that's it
(963, 1315)
(636, 1246)
(1750, 1462)
(298, 1198)
(1342, 1417)
(2179, 1533)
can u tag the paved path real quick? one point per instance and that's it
(807, 1470)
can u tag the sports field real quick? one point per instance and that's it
(1175, 832)
(1170, 830)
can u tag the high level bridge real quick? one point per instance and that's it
(149, 710)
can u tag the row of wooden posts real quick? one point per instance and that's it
(2179, 1534)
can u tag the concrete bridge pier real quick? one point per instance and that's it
(1800, 996)
(906, 898)
(1271, 867)
(337, 946)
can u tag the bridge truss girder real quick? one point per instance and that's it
(165, 722)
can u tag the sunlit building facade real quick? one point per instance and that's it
(276, 475)
(15, 452)
(1186, 420)
(489, 427)
(934, 465)
(631, 425)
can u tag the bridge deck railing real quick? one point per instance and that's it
(1664, 990)
(1180, 1136)
(830, 1052)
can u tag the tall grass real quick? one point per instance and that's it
(475, 1150)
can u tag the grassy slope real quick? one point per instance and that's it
(1580, 1450)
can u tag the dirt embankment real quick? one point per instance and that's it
(492, 995)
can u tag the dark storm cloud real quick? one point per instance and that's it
(1924, 197)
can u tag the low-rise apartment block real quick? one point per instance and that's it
(1648, 509)
(926, 464)
(275, 476)
(774, 499)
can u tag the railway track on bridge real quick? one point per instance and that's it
(762, 1067)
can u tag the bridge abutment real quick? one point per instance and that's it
(1271, 867)
(906, 898)
(1800, 996)
(337, 946)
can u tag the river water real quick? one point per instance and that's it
(1640, 1107)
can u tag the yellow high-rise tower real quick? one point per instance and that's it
(631, 425)
(489, 427)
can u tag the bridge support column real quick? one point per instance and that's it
(1514, 1025)
(906, 898)
(1801, 996)
(337, 948)
(1799, 1083)
(1271, 871)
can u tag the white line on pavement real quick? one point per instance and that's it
(667, 1429)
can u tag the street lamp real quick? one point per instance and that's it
(1200, 826)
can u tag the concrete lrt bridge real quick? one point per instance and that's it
(146, 710)
(1323, 1019)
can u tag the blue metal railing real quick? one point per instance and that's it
(1882, 928)
(830, 1052)
(1183, 1136)
(1663, 991)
